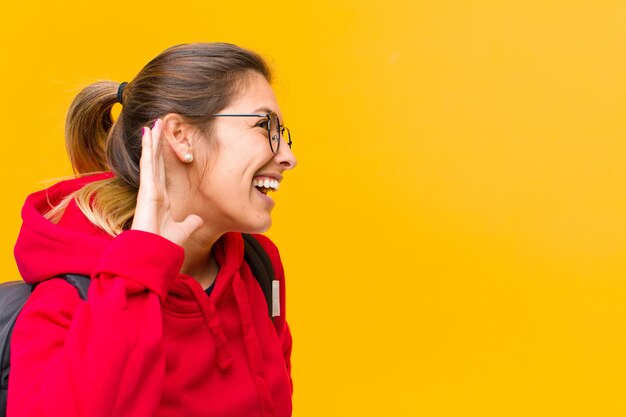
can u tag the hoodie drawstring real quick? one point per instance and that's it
(213, 322)
(253, 348)
(251, 340)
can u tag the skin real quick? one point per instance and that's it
(179, 203)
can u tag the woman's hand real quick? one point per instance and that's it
(152, 213)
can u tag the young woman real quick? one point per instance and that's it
(175, 323)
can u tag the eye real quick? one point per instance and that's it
(262, 123)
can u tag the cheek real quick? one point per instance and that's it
(227, 181)
(226, 169)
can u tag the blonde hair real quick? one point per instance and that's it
(193, 80)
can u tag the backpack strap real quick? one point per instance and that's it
(80, 282)
(254, 255)
(261, 266)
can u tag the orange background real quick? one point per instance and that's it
(454, 234)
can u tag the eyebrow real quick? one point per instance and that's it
(264, 109)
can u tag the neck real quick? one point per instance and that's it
(200, 262)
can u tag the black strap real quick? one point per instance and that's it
(81, 282)
(261, 267)
(255, 256)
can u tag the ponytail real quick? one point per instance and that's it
(109, 203)
(87, 127)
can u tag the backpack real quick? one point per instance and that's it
(14, 294)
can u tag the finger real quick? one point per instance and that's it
(191, 223)
(156, 129)
(157, 147)
(161, 155)
(145, 162)
(162, 159)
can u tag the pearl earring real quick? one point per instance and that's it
(188, 157)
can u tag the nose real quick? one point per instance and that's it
(285, 156)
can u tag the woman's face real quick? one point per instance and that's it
(238, 158)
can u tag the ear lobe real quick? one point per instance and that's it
(177, 133)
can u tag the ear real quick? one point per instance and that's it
(179, 135)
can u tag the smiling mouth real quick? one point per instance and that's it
(264, 186)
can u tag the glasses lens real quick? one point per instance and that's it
(274, 127)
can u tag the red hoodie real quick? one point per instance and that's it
(148, 341)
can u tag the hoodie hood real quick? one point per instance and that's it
(73, 245)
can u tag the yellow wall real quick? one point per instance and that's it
(454, 235)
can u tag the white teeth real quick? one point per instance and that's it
(266, 183)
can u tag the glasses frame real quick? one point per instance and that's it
(281, 129)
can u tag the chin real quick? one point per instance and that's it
(258, 227)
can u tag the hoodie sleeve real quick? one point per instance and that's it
(101, 357)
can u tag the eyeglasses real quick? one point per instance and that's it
(275, 131)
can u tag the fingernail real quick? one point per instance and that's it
(154, 123)
(143, 131)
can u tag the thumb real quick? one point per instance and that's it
(191, 223)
